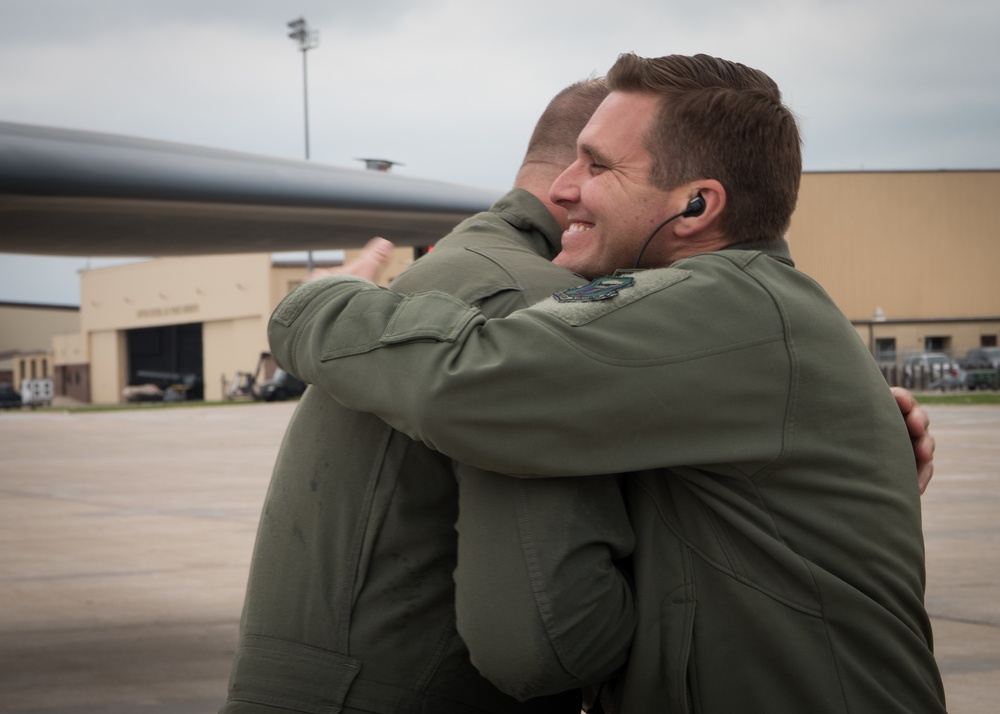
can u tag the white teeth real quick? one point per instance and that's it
(578, 227)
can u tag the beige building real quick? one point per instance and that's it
(26, 334)
(204, 316)
(910, 257)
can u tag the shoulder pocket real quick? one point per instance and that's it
(293, 304)
(428, 316)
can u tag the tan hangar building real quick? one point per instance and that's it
(911, 257)
(204, 315)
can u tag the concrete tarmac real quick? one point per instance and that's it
(125, 539)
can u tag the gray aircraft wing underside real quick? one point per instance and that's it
(70, 192)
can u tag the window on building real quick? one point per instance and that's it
(987, 340)
(885, 349)
(937, 344)
(34, 369)
(45, 368)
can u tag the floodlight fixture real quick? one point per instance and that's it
(300, 32)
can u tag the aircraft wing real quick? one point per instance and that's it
(69, 192)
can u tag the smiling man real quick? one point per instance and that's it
(611, 204)
(778, 562)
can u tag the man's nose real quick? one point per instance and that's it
(565, 189)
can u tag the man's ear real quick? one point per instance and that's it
(707, 199)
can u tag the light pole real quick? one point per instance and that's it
(307, 39)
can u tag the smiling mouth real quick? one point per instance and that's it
(579, 227)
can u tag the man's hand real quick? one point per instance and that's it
(918, 424)
(369, 263)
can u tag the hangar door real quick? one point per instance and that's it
(167, 356)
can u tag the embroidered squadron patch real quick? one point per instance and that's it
(601, 289)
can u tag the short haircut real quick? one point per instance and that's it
(720, 120)
(554, 139)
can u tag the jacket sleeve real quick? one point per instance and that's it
(545, 391)
(541, 599)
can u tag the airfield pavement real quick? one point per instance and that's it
(125, 540)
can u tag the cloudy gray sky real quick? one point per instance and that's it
(451, 88)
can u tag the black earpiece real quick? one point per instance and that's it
(696, 206)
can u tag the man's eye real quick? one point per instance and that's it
(597, 168)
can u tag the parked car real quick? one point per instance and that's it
(932, 370)
(280, 387)
(9, 399)
(982, 368)
(982, 358)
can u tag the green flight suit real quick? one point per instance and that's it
(779, 561)
(350, 600)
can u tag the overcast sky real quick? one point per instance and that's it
(451, 88)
